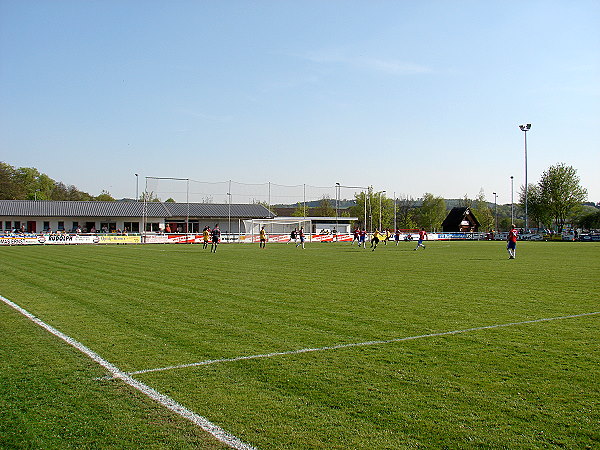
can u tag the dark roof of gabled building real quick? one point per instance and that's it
(49, 208)
(457, 215)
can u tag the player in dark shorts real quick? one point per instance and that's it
(216, 235)
(356, 237)
(511, 244)
(301, 234)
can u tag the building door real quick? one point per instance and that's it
(31, 226)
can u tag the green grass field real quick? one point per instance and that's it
(527, 385)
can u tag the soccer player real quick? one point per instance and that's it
(511, 244)
(356, 237)
(216, 235)
(387, 236)
(205, 237)
(397, 236)
(422, 237)
(293, 237)
(377, 236)
(301, 234)
(263, 237)
(362, 239)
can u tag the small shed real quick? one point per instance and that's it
(460, 220)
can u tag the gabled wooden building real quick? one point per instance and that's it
(460, 220)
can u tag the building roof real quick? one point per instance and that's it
(457, 215)
(49, 208)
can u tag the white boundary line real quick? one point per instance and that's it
(164, 400)
(355, 344)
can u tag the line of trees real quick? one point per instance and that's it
(27, 183)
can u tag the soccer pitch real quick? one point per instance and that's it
(328, 347)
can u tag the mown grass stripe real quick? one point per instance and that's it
(355, 344)
(164, 400)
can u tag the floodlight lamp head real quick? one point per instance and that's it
(525, 127)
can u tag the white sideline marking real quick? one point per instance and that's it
(355, 344)
(164, 400)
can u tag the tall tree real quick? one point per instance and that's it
(432, 212)
(465, 202)
(325, 208)
(104, 197)
(8, 187)
(301, 210)
(361, 208)
(27, 183)
(482, 212)
(560, 185)
(537, 205)
(557, 195)
(405, 212)
(590, 221)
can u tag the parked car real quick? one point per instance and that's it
(536, 237)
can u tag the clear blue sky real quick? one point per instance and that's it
(406, 96)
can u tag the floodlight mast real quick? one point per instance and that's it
(512, 201)
(496, 211)
(366, 190)
(337, 207)
(525, 129)
(380, 192)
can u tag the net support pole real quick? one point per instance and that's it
(187, 199)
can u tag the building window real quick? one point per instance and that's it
(108, 227)
(17, 225)
(7, 225)
(46, 226)
(152, 226)
(132, 227)
(75, 226)
(61, 226)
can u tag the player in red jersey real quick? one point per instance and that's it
(511, 244)
(422, 237)
(362, 238)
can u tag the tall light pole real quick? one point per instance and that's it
(380, 192)
(496, 210)
(525, 129)
(137, 179)
(366, 190)
(337, 206)
(395, 221)
(229, 210)
(512, 201)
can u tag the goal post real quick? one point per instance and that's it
(278, 229)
